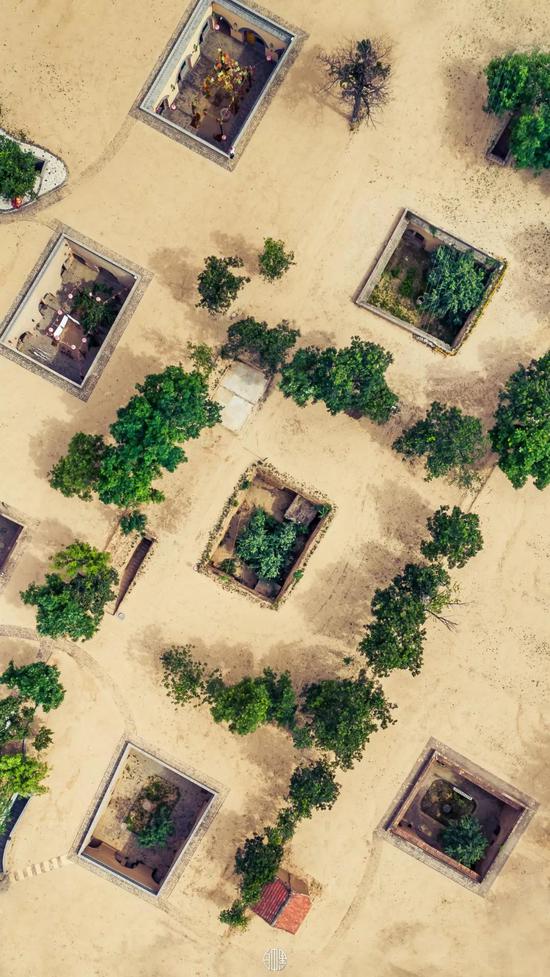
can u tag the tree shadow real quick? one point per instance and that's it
(307, 84)
(177, 270)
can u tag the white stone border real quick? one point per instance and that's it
(53, 175)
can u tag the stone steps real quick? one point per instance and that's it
(39, 868)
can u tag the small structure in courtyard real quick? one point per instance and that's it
(48, 173)
(397, 286)
(216, 74)
(146, 818)
(448, 797)
(69, 311)
(284, 903)
(265, 535)
(241, 388)
(129, 557)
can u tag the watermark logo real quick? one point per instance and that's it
(275, 960)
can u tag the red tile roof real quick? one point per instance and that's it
(274, 896)
(293, 912)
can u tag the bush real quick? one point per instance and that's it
(96, 308)
(465, 840)
(17, 170)
(71, 604)
(342, 714)
(521, 435)
(395, 638)
(350, 379)
(266, 545)
(16, 719)
(457, 536)
(257, 862)
(312, 788)
(218, 286)
(37, 681)
(244, 706)
(43, 739)
(183, 676)
(20, 774)
(161, 826)
(268, 346)
(451, 441)
(530, 139)
(282, 699)
(133, 522)
(274, 260)
(235, 916)
(454, 285)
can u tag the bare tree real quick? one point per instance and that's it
(360, 73)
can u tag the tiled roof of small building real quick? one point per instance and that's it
(293, 912)
(274, 896)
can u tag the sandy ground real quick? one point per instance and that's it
(70, 73)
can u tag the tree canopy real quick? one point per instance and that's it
(266, 545)
(313, 787)
(170, 408)
(267, 346)
(274, 260)
(451, 441)
(395, 638)
(37, 681)
(520, 83)
(342, 714)
(455, 284)
(465, 840)
(71, 603)
(17, 170)
(349, 379)
(218, 286)
(20, 774)
(455, 535)
(521, 434)
(257, 862)
(359, 74)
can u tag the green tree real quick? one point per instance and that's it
(257, 862)
(313, 787)
(530, 139)
(274, 260)
(451, 441)
(71, 604)
(218, 286)
(455, 535)
(77, 472)
(184, 677)
(282, 698)
(350, 379)
(96, 308)
(455, 284)
(235, 916)
(16, 719)
(359, 74)
(37, 681)
(268, 346)
(395, 638)
(17, 170)
(20, 774)
(343, 713)
(465, 840)
(244, 706)
(133, 522)
(266, 545)
(520, 83)
(521, 435)
(42, 739)
(160, 827)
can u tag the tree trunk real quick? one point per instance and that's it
(358, 95)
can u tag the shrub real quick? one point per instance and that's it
(395, 637)
(266, 545)
(203, 358)
(384, 297)
(43, 739)
(268, 346)
(455, 285)
(20, 774)
(37, 681)
(133, 522)
(235, 916)
(282, 699)
(312, 788)
(16, 719)
(160, 827)
(521, 435)
(359, 74)
(218, 286)
(343, 713)
(451, 441)
(183, 676)
(274, 260)
(350, 379)
(17, 170)
(96, 308)
(456, 536)
(244, 706)
(465, 840)
(71, 604)
(257, 861)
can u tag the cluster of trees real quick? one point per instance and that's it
(267, 545)
(17, 170)
(71, 602)
(395, 637)
(32, 686)
(169, 409)
(218, 285)
(520, 83)
(455, 284)
(266, 346)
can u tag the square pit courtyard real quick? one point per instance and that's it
(217, 75)
(443, 787)
(263, 490)
(395, 286)
(139, 784)
(71, 312)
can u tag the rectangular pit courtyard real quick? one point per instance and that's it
(443, 788)
(394, 288)
(265, 536)
(126, 837)
(216, 75)
(70, 313)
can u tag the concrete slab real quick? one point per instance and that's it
(245, 381)
(236, 411)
